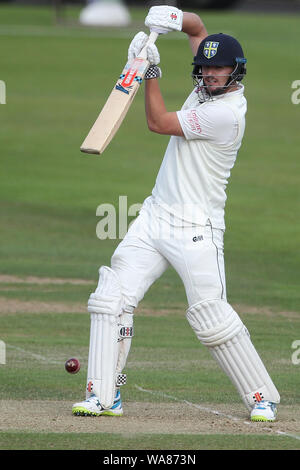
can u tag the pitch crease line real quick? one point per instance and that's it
(38, 357)
(210, 410)
(194, 405)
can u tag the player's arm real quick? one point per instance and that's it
(194, 27)
(166, 18)
(159, 120)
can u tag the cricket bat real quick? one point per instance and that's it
(118, 103)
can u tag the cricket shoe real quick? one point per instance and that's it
(92, 407)
(264, 411)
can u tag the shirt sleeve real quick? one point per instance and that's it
(215, 122)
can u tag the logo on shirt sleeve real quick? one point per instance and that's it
(193, 121)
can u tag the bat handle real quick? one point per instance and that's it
(152, 38)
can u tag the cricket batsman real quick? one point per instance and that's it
(181, 224)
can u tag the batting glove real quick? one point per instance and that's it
(138, 43)
(153, 54)
(164, 18)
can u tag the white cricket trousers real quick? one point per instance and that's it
(155, 241)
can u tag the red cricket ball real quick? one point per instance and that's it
(72, 365)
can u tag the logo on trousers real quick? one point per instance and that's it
(198, 238)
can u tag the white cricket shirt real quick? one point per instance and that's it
(191, 183)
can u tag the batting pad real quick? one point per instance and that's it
(105, 307)
(220, 328)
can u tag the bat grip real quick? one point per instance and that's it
(152, 38)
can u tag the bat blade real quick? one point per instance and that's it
(115, 108)
(117, 104)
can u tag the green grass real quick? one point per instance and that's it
(160, 346)
(102, 441)
(50, 191)
(57, 78)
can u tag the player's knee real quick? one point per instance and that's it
(214, 321)
(107, 297)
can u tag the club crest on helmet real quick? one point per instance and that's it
(210, 49)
